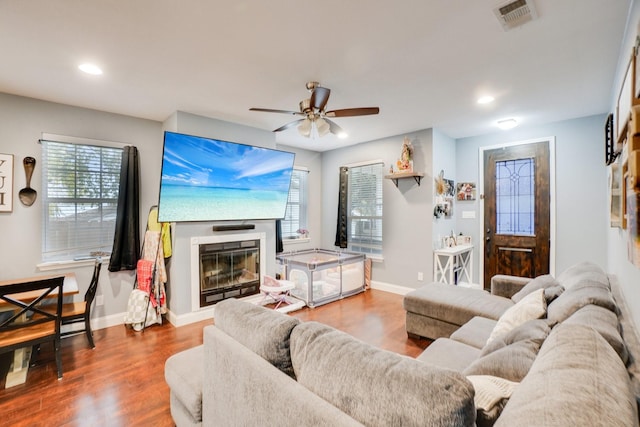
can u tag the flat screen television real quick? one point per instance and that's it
(205, 179)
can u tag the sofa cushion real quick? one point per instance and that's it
(475, 332)
(605, 322)
(450, 354)
(532, 306)
(582, 271)
(378, 387)
(576, 380)
(266, 332)
(536, 330)
(184, 372)
(540, 282)
(511, 362)
(577, 296)
(454, 304)
(492, 394)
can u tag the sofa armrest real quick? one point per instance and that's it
(506, 286)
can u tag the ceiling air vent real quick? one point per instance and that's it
(515, 13)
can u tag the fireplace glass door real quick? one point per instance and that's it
(229, 269)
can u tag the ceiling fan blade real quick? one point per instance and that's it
(350, 112)
(289, 125)
(270, 110)
(334, 128)
(319, 97)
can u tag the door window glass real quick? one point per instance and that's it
(515, 190)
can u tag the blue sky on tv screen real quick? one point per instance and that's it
(201, 162)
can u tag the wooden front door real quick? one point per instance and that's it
(517, 211)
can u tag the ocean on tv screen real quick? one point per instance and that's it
(210, 180)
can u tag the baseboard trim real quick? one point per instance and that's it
(388, 287)
(188, 318)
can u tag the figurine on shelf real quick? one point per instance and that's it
(405, 163)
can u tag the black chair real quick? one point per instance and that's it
(76, 312)
(29, 325)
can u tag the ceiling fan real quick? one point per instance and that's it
(313, 111)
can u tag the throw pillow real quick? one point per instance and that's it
(533, 306)
(378, 387)
(581, 294)
(536, 330)
(492, 393)
(540, 282)
(511, 362)
(265, 332)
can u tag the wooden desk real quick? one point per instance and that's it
(18, 372)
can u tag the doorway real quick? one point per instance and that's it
(518, 206)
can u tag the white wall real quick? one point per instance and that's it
(407, 209)
(581, 182)
(312, 160)
(617, 239)
(179, 269)
(23, 121)
(444, 159)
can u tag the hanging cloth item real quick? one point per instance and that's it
(163, 227)
(152, 251)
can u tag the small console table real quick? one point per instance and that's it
(452, 265)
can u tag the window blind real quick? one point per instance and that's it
(364, 218)
(296, 213)
(80, 185)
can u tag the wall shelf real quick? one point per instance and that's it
(403, 175)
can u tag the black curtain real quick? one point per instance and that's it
(126, 241)
(341, 227)
(279, 244)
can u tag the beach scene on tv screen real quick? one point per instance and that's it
(211, 180)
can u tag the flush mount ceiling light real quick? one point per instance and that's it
(486, 99)
(90, 69)
(506, 124)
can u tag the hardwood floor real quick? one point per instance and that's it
(121, 381)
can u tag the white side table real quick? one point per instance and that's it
(456, 259)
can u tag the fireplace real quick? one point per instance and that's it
(226, 266)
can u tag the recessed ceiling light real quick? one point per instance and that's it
(90, 69)
(507, 124)
(486, 99)
(342, 135)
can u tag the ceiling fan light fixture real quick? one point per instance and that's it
(305, 128)
(322, 126)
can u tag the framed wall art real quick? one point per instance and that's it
(6, 182)
(466, 191)
(625, 100)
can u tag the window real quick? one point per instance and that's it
(295, 217)
(80, 185)
(364, 217)
(515, 192)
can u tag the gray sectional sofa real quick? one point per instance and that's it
(577, 364)
(573, 363)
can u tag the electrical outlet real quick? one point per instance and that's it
(99, 300)
(420, 276)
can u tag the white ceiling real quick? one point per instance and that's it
(423, 62)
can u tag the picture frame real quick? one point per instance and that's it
(616, 199)
(6, 182)
(466, 191)
(624, 103)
